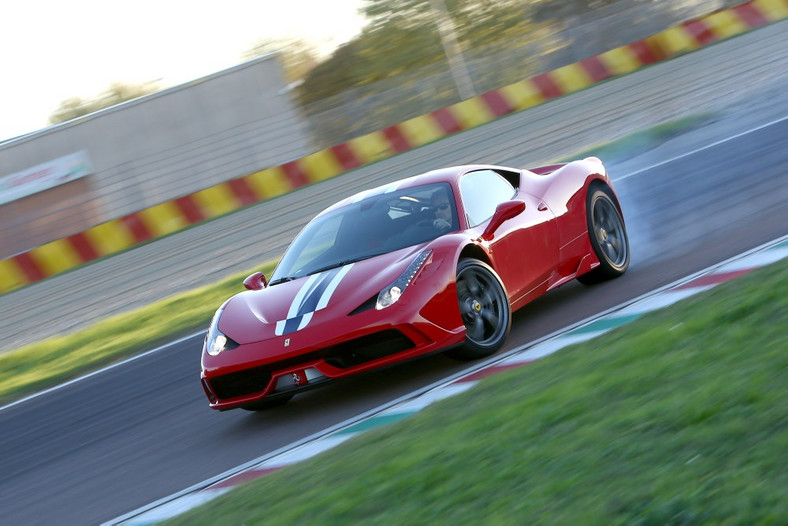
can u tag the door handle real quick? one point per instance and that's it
(541, 207)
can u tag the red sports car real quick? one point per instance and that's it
(436, 262)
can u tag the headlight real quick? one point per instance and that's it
(392, 293)
(215, 340)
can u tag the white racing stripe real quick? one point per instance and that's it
(315, 295)
(305, 320)
(299, 298)
(332, 287)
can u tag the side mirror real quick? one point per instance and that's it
(256, 281)
(505, 211)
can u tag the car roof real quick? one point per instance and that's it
(449, 175)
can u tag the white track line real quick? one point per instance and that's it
(100, 371)
(702, 148)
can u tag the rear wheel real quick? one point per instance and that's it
(484, 308)
(608, 237)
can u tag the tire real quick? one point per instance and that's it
(264, 404)
(484, 308)
(608, 236)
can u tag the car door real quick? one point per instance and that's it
(525, 248)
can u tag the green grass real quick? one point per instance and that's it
(49, 362)
(54, 360)
(677, 418)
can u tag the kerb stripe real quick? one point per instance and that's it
(446, 121)
(137, 228)
(396, 139)
(345, 156)
(496, 103)
(596, 69)
(29, 267)
(700, 32)
(83, 247)
(242, 191)
(295, 174)
(547, 87)
(189, 208)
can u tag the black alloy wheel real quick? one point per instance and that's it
(484, 308)
(608, 237)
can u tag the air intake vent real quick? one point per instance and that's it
(241, 383)
(367, 348)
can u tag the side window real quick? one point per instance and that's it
(482, 191)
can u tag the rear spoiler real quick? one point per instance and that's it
(547, 169)
(550, 168)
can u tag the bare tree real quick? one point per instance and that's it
(298, 56)
(118, 92)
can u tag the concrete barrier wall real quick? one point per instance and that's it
(173, 215)
(154, 149)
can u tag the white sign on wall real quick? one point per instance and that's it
(44, 176)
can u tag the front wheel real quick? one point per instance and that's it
(608, 237)
(484, 308)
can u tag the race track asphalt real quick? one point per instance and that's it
(116, 441)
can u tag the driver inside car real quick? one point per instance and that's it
(442, 208)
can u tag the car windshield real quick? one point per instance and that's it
(376, 223)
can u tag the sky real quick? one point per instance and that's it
(51, 50)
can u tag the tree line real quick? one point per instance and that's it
(399, 36)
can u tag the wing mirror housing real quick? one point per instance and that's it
(503, 212)
(256, 281)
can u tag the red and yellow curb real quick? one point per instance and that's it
(166, 218)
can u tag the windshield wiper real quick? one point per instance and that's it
(322, 269)
(282, 280)
(341, 263)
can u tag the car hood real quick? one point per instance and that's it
(291, 306)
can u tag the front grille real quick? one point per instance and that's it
(344, 355)
(367, 348)
(241, 383)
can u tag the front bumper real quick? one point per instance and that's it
(371, 347)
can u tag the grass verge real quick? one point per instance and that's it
(677, 418)
(52, 361)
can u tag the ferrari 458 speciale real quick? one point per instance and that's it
(436, 262)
